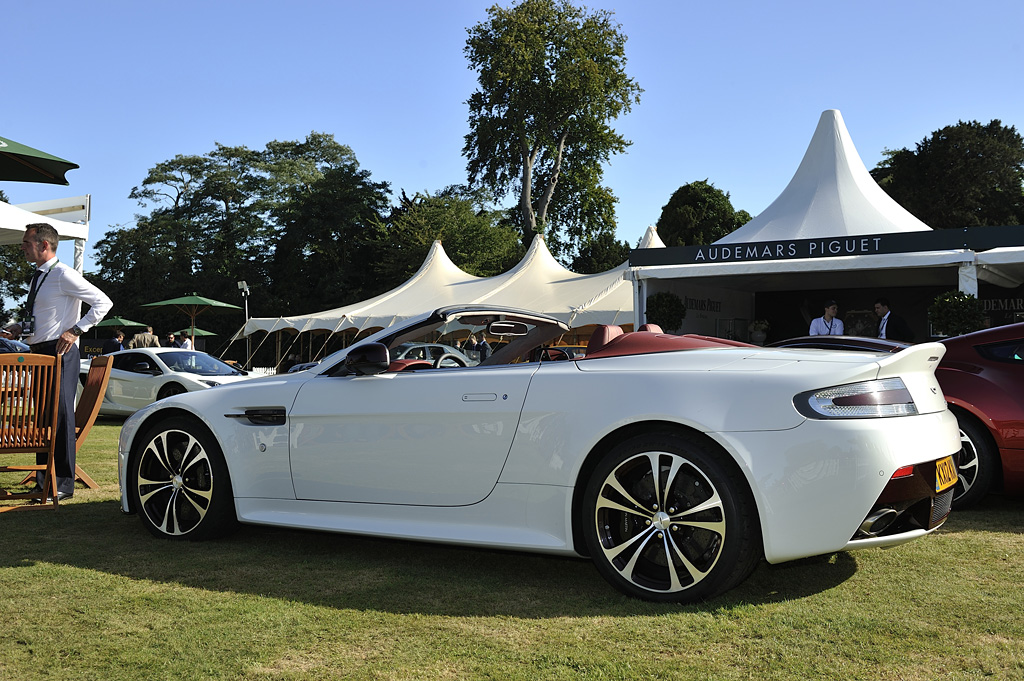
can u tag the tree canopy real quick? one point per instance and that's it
(463, 219)
(698, 213)
(551, 80)
(964, 175)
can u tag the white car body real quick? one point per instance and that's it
(167, 370)
(499, 455)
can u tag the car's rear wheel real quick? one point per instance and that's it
(667, 519)
(978, 463)
(169, 390)
(178, 482)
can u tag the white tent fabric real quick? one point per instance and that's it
(537, 283)
(14, 219)
(832, 194)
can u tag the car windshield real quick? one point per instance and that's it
(197, 363)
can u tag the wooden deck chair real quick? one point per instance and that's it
(29, 397)
(87, 409)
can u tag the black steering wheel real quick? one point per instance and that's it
(455, 358)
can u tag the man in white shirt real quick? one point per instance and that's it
(186, 343)
(52, 327)
(828, 324)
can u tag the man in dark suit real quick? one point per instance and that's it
(891, 326)
(114, 344)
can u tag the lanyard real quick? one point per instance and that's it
(37, 283)
(829, 325)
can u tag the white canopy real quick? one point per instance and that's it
(14, 219)
(832, 194)
(537, 283)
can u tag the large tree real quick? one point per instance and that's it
(469, 228)
(225, 216)
(698, 213)
(321, 260)
(551, 79)
(600, 254)
(964, 175)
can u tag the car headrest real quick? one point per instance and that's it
(601, 336)
(653, 328)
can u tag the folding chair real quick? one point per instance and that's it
(29, 397)
(87, 409)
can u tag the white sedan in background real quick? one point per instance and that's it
(143, 376)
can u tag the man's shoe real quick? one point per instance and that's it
(61, 496)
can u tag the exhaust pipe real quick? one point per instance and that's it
(877, 522)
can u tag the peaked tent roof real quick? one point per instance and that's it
(537, 283)
(832, 194)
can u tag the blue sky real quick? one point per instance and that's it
(733, 90)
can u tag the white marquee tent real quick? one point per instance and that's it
(832, 196)
(13, 220)
(537, 283)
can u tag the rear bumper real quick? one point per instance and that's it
(907, 507)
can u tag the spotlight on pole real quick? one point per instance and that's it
(243, 288)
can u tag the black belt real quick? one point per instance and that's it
(45, 348)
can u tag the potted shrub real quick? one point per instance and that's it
(759, 331)
(955, 313)
(666, 309)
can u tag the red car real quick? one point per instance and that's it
(982, 377)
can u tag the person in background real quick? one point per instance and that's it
(483, 348)
(891, 326)
(53, 326)
(172, 341)
(144, 339)
(827, 324)
(114, 344)
(186, 343)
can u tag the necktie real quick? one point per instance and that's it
(32, 290)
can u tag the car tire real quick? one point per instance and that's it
(691, 535)
(178, 482)
(170, 389)
(978, 462)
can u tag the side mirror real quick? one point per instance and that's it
(367, 360)
(507, 329)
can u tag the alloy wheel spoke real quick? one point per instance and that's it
(695, 573)
(614, 483)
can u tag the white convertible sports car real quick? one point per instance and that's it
(140, 377)
(674, 462)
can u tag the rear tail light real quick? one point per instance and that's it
(867, 399)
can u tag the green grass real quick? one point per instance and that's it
(87, 593)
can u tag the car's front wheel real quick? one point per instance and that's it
(179, 483)
(666, 519)
(978, 461)
(170, 389)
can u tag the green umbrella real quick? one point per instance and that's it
(192, 305)
(19, 163)
(119, 322)
(195, 332)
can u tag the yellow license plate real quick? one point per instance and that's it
(945, 474)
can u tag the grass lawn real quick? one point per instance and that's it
(87, 593)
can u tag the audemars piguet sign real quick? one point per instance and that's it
(976, 238)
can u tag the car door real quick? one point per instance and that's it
(435, 437)
(132, 383)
